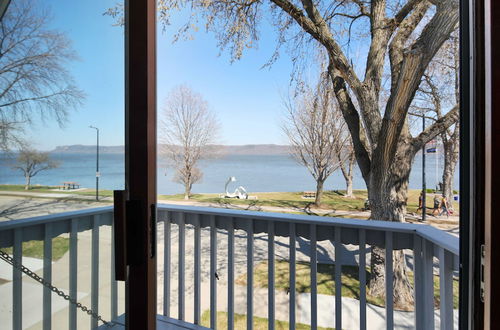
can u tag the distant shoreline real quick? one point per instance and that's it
(248, 149)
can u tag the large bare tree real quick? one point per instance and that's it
(316, 131)
(34, 81)
(395, 37)
(187, 130)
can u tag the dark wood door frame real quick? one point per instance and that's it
(480, 165)
(492, 165)
(471, 161)
(140, 163)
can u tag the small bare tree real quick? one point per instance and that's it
(31, 162)
(33, 78)
(315, 129)
(187, 131)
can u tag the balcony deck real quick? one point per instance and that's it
(233, 242)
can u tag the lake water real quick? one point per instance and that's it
(257, 173)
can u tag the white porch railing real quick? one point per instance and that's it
(45, 228)
(426, 243)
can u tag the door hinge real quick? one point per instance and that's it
(483, 256)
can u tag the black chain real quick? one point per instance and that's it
(59, 292)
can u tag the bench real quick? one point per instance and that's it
(309, 194)
(68, 185)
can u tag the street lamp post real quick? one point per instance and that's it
(97, 174)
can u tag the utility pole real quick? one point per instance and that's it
(97, 174)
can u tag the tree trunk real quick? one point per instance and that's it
(348, 174)
(187, 191)
(451, 154)
(448, 174)
(28, 182)
(349, 192)
(387, 193)
(319, 192)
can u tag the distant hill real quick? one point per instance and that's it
(255, 149)
(249, 149)
(83, 149)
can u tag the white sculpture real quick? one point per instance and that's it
(239, 192)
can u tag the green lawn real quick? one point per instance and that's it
(332, 200)
(240, 322)
(34, 249)
(326, 280)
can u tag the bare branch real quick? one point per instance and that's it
(351, 116)
(405, 11)
(316, 26)
(432, 131)
(33, 77)
(398, 43)
(362, 7)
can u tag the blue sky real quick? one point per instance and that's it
(98, 72)
(246, 98)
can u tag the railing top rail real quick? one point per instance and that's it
(32, 221)
(438, 237)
